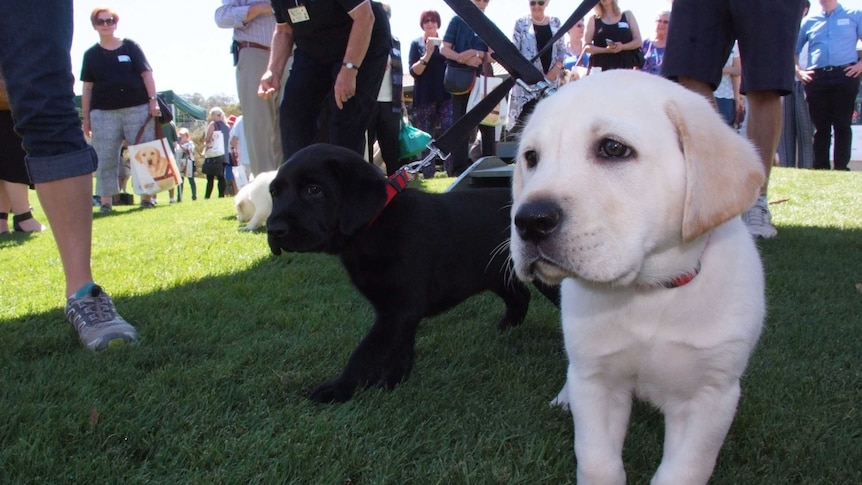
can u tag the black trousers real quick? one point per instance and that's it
(831, 100)
(383, 128)
(461, 154)
(308, 91)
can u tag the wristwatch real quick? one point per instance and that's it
(153, 97)
(349, 65)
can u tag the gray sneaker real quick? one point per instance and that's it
(758, 220)
(97, 322)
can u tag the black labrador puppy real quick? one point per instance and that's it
(412, 255)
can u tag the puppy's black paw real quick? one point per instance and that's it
(331, 392)
(507, 322)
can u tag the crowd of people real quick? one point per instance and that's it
(339, 78)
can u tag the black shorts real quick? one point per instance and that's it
(702, 33)
(12, 168)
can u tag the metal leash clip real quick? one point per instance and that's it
(434, 152)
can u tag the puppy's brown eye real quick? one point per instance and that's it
(614, 149)
(313, 189)
(531, 158)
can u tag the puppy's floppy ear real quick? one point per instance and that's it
(363, 191)
(723, 170)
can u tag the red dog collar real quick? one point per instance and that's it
(397, 182)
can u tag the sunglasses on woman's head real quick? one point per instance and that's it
(107, 21)
(533, 3)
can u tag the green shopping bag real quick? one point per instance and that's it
(411, 140)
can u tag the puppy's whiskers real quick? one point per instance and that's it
(509, 276)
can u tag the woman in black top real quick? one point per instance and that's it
(613, 38)
(530, 35)
(217, 122)
(119, 94)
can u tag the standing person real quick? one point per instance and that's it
(613, 38)
(119, 96)
(701, 37)
(253, 24)
(727, 97)
(461, 45)
(217, 124)
(432, 105)
(831, 79)
(186, 162)
(530, 35)
(575, 55)
(169, 132)
(239, 149)
(654, 48)
(385, 123)
(38, 72)
(231, 187)
(796, 147)
(14, 180)
(342, 47)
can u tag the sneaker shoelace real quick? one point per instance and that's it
(95, 309)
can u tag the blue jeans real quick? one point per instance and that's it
(727, 109)
(40, 91)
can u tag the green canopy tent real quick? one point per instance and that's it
(183, 110)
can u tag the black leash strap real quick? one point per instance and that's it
(509, 57)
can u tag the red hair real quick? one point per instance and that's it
(96, 11)
(429, 15)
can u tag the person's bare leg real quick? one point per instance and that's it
(764, 127)
(67, 204)
(19, 201)
(700, 87)
(4, 208)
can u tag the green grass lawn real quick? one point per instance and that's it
(234, 339)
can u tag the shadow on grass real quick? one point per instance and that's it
(216, 391)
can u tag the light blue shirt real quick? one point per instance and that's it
(831, 38)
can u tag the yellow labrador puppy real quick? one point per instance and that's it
(627, 188)
(253, 202)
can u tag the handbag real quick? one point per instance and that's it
(411, 140)
(458, 78)
(153, 166)
(498, 116)
(638, 58)
(213, 167)
(167, 116)
(216, 147)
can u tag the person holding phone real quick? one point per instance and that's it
(432, 105)
(613, 39)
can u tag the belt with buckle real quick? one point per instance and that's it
(243, 45)
(832, 68)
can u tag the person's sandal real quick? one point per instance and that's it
(17, 219)
(4, 216)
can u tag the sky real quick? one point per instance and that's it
(190, 54)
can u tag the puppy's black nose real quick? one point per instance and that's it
(537, 220)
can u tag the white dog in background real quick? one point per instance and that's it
(627, 188)
(253, 202)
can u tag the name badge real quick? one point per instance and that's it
(124, 58)
(624, 25)
(298, 14)
(843, 21)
